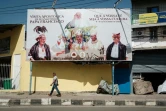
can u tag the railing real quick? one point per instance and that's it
(5, 80)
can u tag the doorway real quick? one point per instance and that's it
(5, 70)
(16, 71)
(155, 78)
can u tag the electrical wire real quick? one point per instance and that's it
(25, 5)
(95, 3)
(100, 1)
(43, 5)
(122, 27)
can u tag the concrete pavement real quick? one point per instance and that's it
(83, 99)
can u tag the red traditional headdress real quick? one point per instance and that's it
(116, 35)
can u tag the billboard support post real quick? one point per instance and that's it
(113, 78)
(30, 82)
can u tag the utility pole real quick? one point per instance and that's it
(113, 65)
(53, 4)
(116, 3)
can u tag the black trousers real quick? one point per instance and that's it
(114, 58)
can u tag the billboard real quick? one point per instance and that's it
(78, 35)
(152, 18)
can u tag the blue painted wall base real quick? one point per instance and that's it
(122, 78)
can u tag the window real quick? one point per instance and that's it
(153, 33)
(153, 9)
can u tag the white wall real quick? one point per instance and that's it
(143, 42)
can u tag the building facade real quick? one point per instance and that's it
(15, 70)
(149, 40)
(73, 77)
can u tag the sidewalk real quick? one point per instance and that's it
(90, 99)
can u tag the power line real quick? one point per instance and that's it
(101, 1)
(40, 6)
(84, 6)
(95, 3)
(26, 4)
(122, 27)
(60, 7)
(44, 5)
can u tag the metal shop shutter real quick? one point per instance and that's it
(149, 61)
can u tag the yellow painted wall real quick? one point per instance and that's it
(72, 77)
(17, 36)
(17, 40)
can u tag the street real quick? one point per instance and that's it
(75, 108)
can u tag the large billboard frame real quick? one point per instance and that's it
(37, 29)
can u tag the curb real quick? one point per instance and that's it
(74, 102)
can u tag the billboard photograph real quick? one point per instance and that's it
(78, 35)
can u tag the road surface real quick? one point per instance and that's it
(80, 108)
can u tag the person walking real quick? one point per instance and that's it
(54, 85)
